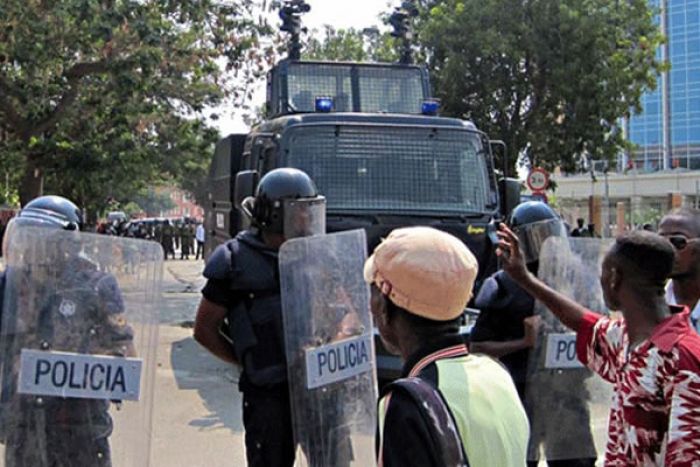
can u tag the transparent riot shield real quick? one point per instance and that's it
(78, 342)
(567, 404)
(330, 353)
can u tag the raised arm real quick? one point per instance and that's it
(569, 312)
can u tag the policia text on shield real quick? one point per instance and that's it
(78, 341)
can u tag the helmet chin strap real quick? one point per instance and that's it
(247, 206)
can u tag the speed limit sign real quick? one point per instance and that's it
(538, 180)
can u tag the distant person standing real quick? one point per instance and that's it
(185, 242)
(581, 230)
(199, 236)
(167, 239)
(682, 228)
(176, 233)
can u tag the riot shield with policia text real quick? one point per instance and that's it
(78, 339)
(567, 404)
(329, 347)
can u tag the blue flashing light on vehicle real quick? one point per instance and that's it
(324, 104)
(430, 108)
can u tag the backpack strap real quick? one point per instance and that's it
(437, 416)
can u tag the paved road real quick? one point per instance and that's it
(197, 415)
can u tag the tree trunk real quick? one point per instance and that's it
(32, 183)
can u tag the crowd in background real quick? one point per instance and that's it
(184, 235)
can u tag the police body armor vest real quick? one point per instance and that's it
(84, 314)
(255, 319)
(501, 296)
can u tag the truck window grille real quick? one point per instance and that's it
(399, 92)
(392, 169)
(392, 90)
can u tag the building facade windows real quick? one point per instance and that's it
(682, 96)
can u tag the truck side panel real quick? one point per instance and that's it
(222, 217)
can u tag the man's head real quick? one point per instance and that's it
(534, 222)
(421, 279)
(288, 204)
(638, 264)
(682, 228)
(580, 222)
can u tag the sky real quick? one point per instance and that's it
(343, 14)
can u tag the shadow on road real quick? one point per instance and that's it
(216, 382)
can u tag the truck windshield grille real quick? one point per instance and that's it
(395, 90)
(393, 169)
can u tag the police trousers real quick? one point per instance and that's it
(267, 418)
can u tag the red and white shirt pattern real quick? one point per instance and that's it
(655, 412)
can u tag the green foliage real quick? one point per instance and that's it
(550, 78)
(154, 202)
(105, 97)
(353, 45)
(132, 208)
(646, 215)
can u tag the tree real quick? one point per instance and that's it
(154, 202)
(550, 78)
(351, 45)
(103, 83)
(123, 145)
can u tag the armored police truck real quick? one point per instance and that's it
(370, 137)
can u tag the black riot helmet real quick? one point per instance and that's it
(51, 211)
(287, 202)
(534, 222)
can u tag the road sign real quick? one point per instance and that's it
(538, 180)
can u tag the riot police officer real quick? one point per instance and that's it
(243, 290)
(60, 302)
(507, 328)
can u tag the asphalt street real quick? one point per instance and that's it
(197, 414)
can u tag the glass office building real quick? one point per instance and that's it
(667, 132)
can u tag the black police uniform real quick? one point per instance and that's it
(504, 305)
(243, 276)
(82, 312)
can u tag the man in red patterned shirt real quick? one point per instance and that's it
(652, 355)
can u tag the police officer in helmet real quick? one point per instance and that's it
(507, 327)
(243, 291)
(51, 211)
(64, 305)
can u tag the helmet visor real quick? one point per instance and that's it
(533, 235)
(304, 217)
(45, 218)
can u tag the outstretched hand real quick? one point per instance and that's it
(508, 250)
